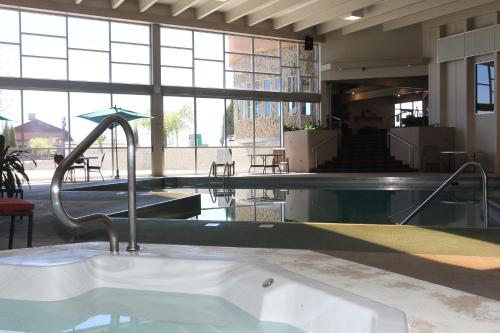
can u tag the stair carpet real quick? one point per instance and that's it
(364, 153)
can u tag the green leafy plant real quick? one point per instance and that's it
(310, 127)
(290, 128)
(12, 168)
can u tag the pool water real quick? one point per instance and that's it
(121, 310)
(458, 207)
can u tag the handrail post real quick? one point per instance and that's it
(316, 153)
(484, 180)
(56, 185)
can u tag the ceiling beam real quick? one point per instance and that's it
(401, 12)
(182, 5)
(146, 4)
(209, 7)
(434, 13)
(248, 7)
(279, 8)
(298, 14)
(336, 11)
(116, 3)
(370, 12)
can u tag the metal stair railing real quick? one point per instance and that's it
(484, 178)
(411, 148)
(75, 222)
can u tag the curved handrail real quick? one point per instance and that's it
(316, 148)
(441, 188)
(411, 147)
(401, 139)
(55, 187)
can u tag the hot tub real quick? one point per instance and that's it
(156, 293)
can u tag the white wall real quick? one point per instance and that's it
(453, 47)
(383, 54)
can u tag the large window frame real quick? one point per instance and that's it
(249, 94)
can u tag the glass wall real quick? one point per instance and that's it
(58, 47)
(89, 55)
(180, 139)
(217, 60)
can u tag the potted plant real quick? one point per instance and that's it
(12, 171)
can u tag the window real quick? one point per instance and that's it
(402, 111)
(485, 87)
(130, 53)
(176, 57)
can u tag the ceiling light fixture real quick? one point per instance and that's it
(355, 15)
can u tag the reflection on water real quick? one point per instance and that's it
(121, 310)
(456, 207)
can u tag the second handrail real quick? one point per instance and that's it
(441, 188)
(411, 147)
(62, 168)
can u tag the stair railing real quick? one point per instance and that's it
(62, 168)
(316, 148)
(484, 178)
(339, 121)
(411, 148)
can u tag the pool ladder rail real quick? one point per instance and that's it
(212, 174)
(62, 168)
(484, 178)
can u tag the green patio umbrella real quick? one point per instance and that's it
(98, 116)
(4, 118)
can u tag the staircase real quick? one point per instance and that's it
(364, 153)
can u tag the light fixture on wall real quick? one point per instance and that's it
(355, 15)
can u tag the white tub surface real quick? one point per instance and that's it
(293, 299)
(429, 308)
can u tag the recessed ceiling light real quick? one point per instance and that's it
(355, 15)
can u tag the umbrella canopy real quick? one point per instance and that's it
(98, 116)
(5, 118)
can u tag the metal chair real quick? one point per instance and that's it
(96, 168)
(280, 160)
(58, 158)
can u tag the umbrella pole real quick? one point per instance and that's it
(116, 150)
(112, 153)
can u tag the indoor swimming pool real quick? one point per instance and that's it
(460, 207)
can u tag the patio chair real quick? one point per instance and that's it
(280, 160)
(97, 168)
(79, 164)
(224, 156)
(15, 207)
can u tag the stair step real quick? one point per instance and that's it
(364, 153)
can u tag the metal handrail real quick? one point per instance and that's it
(441, 188)
(411, 147)
(316, 148)
(62, 168)
(340, 129)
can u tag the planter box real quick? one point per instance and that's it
(299, 147)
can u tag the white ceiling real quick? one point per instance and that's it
(323, 15)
